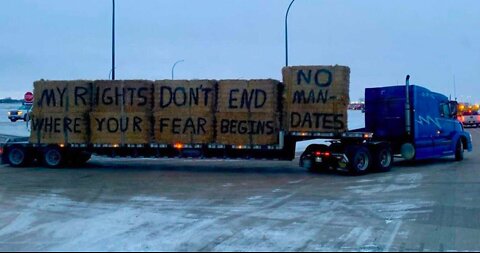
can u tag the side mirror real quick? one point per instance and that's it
(453, 108)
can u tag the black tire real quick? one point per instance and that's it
(53, 157)
(382, 158)
(18, 157)
(360, 160)
(459, 151)
(13, 120)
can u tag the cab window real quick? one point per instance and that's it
(445, 110)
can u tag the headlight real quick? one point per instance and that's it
(20, 112)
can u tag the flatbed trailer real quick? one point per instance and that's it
(409, 121)
(18, 152)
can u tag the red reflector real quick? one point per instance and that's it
(318, 153)
(1, 151)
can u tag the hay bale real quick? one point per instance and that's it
(248, 95)
(62, 96)
(243, 128)
(316, 98)
(265, 96)
(229, 97)
(123, 96)
(248, 112)
(268, 128)
(126, 128)
(59, 128)
(183, 128)
(183, 96)
(184, 111)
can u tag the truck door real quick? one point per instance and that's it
(424, 122)
(445, 131)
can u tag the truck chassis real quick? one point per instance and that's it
(353, 152)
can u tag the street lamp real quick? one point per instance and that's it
(173, 67)
(286, 34)
(113, 39)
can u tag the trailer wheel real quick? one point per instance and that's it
(459, 151)
(53, 157)
(360, 160)
(383, 158)
(18, 157)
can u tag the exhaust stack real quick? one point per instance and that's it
(408, 126)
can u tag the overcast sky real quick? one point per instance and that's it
(381, 41)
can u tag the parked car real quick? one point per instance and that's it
(22, 113)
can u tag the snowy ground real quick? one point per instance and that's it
(239, 205)
(123, 204)
(356, 120)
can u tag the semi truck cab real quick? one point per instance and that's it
(429, 129)
(408, 121)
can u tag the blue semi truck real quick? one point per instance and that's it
(407, 121)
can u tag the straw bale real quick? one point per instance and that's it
(316, 98)
(59, 128)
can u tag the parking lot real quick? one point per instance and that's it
(237, 205)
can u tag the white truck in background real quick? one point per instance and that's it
(468, 115)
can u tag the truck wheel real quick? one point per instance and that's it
(18, 157)
(53, 157)
(13, 120)
(383, 158)
(360, 160)
(459, 151)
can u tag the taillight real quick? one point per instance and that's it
(326, 154)
(1, 150)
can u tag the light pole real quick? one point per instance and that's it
(113, 39)
(110, 73)
(173, 67)
(286, 34)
